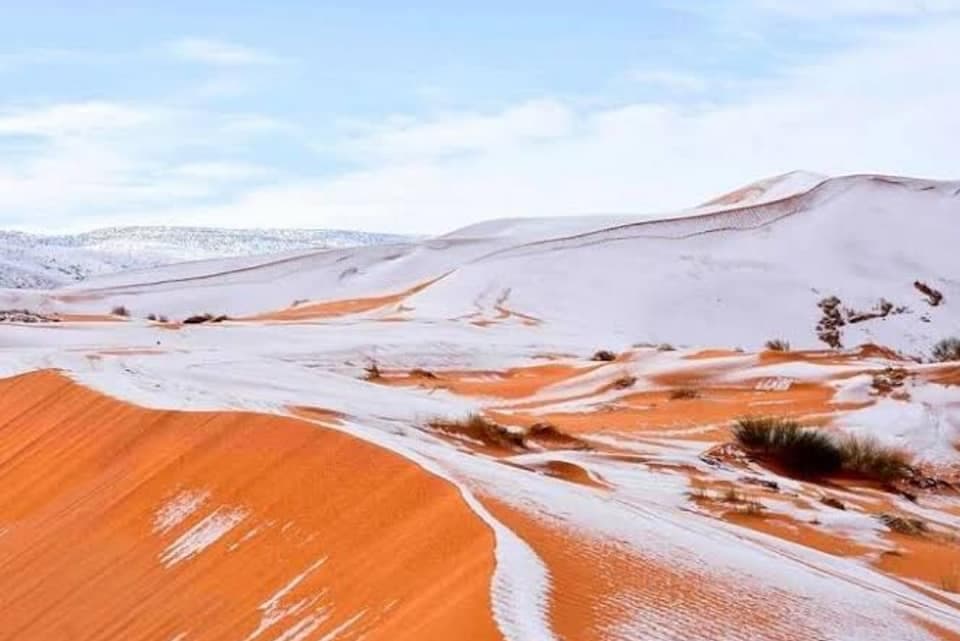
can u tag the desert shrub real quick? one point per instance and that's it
(812, 452)
(833, 502)
(665, 347)
(869, 458)
(777, 345)
(479, 428)
(604, 355)
(903, 524)
(801, 450)
(120, 310)
(547, 433)
(372, 372)
(197, 319)
(684, 394)
(624, 382)
(151, 317)
(947, 350)
(419, 372)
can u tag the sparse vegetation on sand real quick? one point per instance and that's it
(625, 382)
(419, 372)
(904, 524)
(777, 345)
(812, 452)
(477, 427)
(480, 429)
(666, 347)
(604, 355)
(684, 394)
(947, 350)
(120, 310)
(730, 496)
(199, 319)
(372, 372)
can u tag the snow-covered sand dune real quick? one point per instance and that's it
(725, 274)
(298, 472)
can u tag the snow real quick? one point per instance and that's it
(733, 277)
(40, 261)
(203, 534)
(177, 509)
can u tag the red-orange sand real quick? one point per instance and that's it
(363, 540)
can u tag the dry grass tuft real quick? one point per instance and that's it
(372, 372)
(904, 524)
(947, 350)
(604, 355)
(481, 429)
(777, 345)
(625, 382)
(811, 452)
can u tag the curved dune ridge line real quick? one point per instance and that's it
(121, 522)
(718, 270)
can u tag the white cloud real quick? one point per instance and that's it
(90, 159)
(220, 53)
(457, 133)
(826, 9)
(885, 105)
(223, 171)
(881, 107)
(71, 119)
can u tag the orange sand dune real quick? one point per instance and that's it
(118, 522)
(598, 587)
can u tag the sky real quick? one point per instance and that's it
(421, 117)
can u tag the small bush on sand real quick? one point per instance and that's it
(151, 317)
(778, 345)
(479, 428)
(811, 452)
(801, 450)
(372, 372)
(665, 347)
(197, 319)
(604, 355)
(947, 350)
(120, 310)
(419, 372)
(904, 524)
(684, 394)
(625, 382)
(868, 458)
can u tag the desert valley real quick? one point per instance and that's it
(740, 421)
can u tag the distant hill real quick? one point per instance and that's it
(35, 261)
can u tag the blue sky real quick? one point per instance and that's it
(423, 116)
